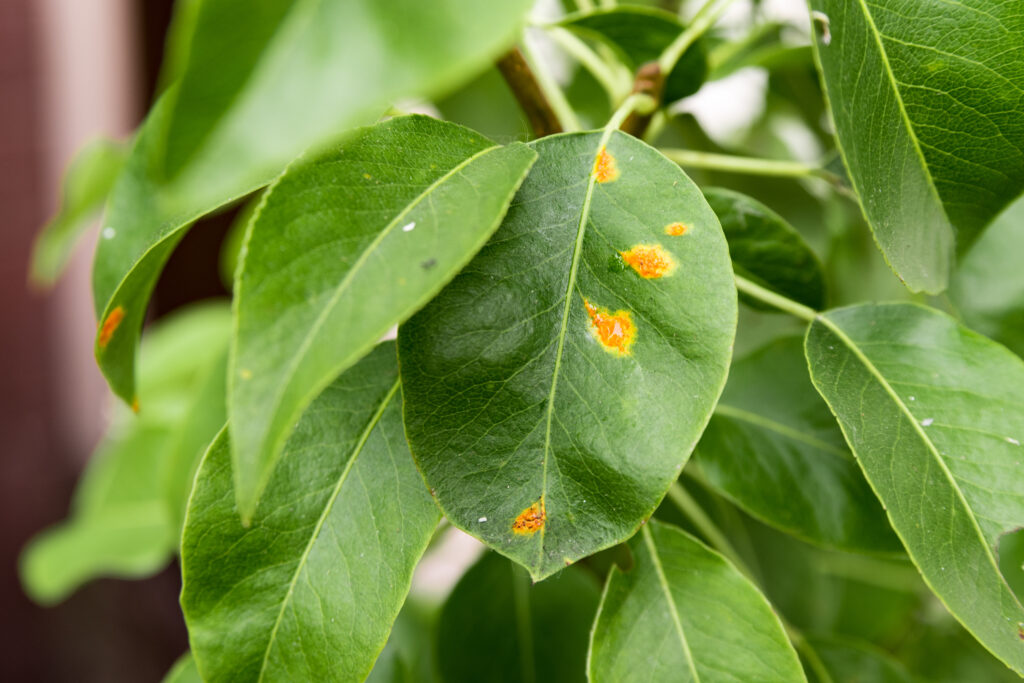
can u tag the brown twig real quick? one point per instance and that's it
(517, 73)
(649, 81)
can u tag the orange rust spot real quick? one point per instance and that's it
(605, 168)
(649, 260)
(530, 520)
(135, 405)
(676, 229)
(615, 331)
(109, 326)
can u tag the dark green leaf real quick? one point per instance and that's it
(852, 662)
(766, 249)
(940, 651)
(552, 393)
(496, 627)
(310, 589)
(129, 503)
(87, 183)
(935, 415)
(639, 35)
(410, 655)
(344, 247)
(762, 47)
(927, 100)
(184, 671)
(265, 81)
(774, 448)
(683, 613)
(989, 286)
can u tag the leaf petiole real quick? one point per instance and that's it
(702, 21)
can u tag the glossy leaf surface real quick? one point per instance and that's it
(988, 288)
(639, 35)
(499, 628)
(553, 391)
(344, 247)
(184, 671)
(266, 81)
(774, 448)
(87, 183)
(766, 249)
(309, 591)
(935, 415)
(927, 100)
(128, 505)
(683, 613)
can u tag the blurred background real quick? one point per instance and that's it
(72, 71)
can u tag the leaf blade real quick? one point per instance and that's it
(370, 226)
(937, 486)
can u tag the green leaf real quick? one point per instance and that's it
(773, 448)
(926, 99)
(988, 287)
(935, 415)
(87, 183)
(265, 81)
(184, 671)
(552, 393)
(639, 35)
(310, 589)
(129, 503)
(496, 627)
(344, 247)
(849, 661)
(766, 249)
(683, 613)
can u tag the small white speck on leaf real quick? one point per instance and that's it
(821, 19)
(408, 227)
(912, 398)
(108, 233)
(482, 520)
(1012, 440)
(927, 422)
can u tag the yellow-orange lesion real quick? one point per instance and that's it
(649, 260)
(605, 168)
(530, 520)
(676, 229)
(614, 331)
(109, 326)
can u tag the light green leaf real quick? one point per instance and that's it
(766, 249)
(266, 81)
(310, 589)
(87, 183)
(552, 392)
(927, 100)
(263, 82)
(935, 415)
(683, 613)
(344, 247)
(498, 628)
(988, 287)
(129, 503)
(639, 35)
(184, 671)
(773, 448)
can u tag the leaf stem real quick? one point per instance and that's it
(636, 102)
(614, 84)
(777, 300)
(739, 164)
(585, 5)
(528, 93)
(702, 21)
(552, 92)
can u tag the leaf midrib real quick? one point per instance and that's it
(577, 253)
(877, 35)
(329, 307)
(342, 478)
(663, 582)
(919, 430)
